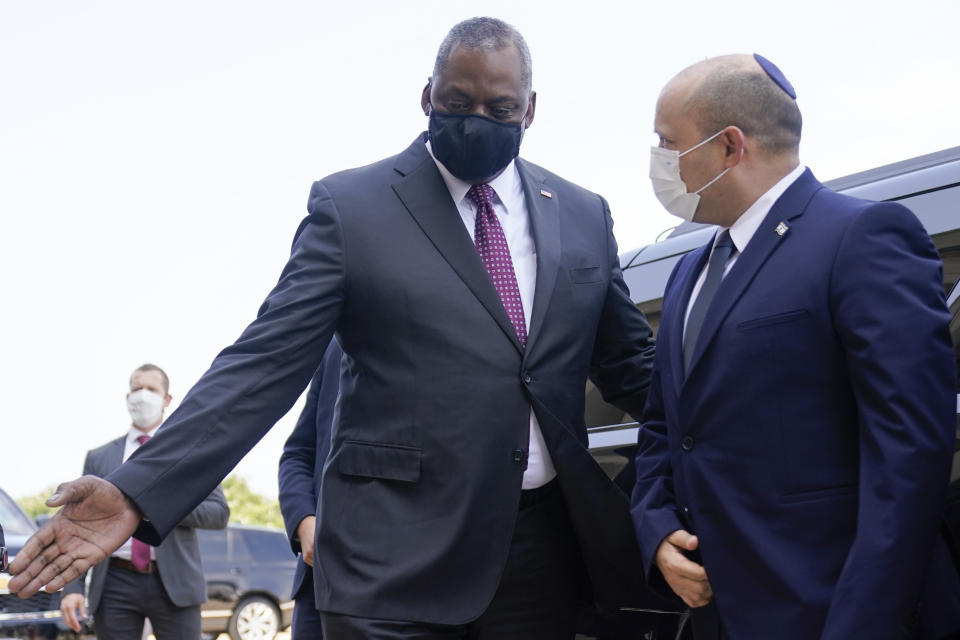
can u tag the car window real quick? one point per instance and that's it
(268, 546)
(13, 519)
(239, 554)
(213, 545)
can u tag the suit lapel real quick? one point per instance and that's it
(764, 242)
(113, 458)
(545, 224)
(687, 278)
(425, 195)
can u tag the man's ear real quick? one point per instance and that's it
(734, 141)
(425, 97)
(531, 110)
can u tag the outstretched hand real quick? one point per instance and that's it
(95, 520)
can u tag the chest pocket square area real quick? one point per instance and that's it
(583, 275)
(777, 318)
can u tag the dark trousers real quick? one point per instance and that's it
(306, 618)
(129, 597)
(536, 598)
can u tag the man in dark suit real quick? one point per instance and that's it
(797, 441)
(163, 583)
(472, 293)
(301, 469)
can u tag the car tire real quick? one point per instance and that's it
(255, 618)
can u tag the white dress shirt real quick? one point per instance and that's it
(510, 206)
(743, 229)
(129, 446)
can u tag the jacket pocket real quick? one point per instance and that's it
(779, 318)
(582, 275)
(823, 493)
(377, 460)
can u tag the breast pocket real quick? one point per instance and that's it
(584, 275)
(778, 318)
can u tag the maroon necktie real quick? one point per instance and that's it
(492, 245)
(140, 551)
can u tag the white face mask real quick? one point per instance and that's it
(145, 407)
(669, 187)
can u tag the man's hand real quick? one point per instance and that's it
(96, 519)
(74, 608)
(305, 532)
(687, 578)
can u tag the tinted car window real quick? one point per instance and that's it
(13, 519)
(213, 545)
(238, 548)
(267, 546)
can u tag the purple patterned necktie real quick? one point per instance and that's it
(492, 245)
(140, 551)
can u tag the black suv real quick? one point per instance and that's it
(249, 572)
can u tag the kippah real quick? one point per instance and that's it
(776, 75)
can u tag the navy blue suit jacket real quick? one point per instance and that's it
(420, 491)
(809, 444)
(301, 463)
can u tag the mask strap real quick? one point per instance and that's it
(722, 172)
(714, 180)
(700, 144)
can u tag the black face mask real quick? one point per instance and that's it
(472, 147)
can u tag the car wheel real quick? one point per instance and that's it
(255, 618)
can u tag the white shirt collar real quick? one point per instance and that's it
(747, 224)
(507, 182)
(135, 433)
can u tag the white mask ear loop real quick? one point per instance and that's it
(700, 144)
(722, 172)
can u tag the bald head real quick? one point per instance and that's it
(735, 90)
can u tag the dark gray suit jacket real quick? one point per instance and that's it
(421, 487)
(178, 556)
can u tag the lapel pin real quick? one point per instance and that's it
(545, 193)
(782, 228)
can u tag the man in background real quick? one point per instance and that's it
(163, 583)
(301, 468)
(796, 445)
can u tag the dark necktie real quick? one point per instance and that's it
(718, 260)
(140, 551)
(495, 254)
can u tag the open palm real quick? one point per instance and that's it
(95, 520)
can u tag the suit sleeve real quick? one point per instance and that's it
(623, 351)
(297, 466)
(250, 385)
(890, 315)
(79, 585)
(212, 513)
(652, 503)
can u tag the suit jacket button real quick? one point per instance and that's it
(687, 443)
(527, 377)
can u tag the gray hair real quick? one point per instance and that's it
(750, 100)
(488, 34)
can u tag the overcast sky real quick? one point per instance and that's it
(155, 159)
